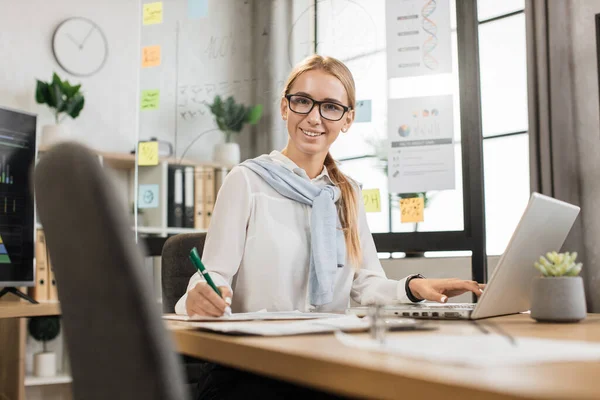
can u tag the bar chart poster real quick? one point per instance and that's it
(418, 37)
(421, 150)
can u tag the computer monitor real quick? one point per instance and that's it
(17, 220)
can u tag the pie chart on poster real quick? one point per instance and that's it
(404, 130)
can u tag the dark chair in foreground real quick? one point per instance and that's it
(118, 346)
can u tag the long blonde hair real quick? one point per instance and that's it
(347, 205)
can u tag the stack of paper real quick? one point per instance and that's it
(255, 316)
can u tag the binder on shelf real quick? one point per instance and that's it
(188, 202)
(199, 197)
(220, 174)
(39, 292)
(175, 200)
(209, 195)
(52, 288)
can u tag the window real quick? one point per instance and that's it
(354, 32)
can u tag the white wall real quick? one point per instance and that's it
(108, 121)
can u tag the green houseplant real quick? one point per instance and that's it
(44, 329)
(558, 295)
(64, 100)
(231, 117)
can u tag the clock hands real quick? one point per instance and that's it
(73, 40)
(87, 36)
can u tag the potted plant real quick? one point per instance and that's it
(558, 295)
(44, 329)
(231, 118)
(64, 100)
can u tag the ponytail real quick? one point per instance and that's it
(347, 211)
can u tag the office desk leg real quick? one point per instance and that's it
(12, 358)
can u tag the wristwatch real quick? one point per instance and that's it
(409, 294)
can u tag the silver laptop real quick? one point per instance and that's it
(543, 227)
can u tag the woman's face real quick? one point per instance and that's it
(310, 133)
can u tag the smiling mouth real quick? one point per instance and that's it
(312, 134)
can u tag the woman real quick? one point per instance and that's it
(289, 230)
(262, 244)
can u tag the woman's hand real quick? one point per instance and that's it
(202, 300)
(440, 289)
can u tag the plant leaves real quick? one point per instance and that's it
(255, 114)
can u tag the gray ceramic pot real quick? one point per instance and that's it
(558, 299)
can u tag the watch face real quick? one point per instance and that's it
(79, 46)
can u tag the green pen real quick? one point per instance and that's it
(195, 257)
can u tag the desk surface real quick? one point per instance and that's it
(322, 362)
(17, 309)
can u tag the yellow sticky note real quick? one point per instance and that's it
(153, 13)
(148, 153)
(372, 200)
(411, 210)
(150, 56)
(149, 100)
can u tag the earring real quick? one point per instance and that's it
(344, 130)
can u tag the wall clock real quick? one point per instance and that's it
(79, 46)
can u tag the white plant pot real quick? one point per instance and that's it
(44, 364)
(227, 154)
(53, 134)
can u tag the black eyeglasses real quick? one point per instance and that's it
(303, 105)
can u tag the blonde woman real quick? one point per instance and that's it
(289, 230)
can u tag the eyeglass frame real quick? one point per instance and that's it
(318, 103)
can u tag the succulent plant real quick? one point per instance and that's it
(558, 264)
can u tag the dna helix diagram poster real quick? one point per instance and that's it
(421, 147)
(418, 37)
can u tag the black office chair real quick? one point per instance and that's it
(118, 346)
(176, 271)
(176, 267)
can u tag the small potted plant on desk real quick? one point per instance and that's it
(44, 329)
(63, 99)
(558, 295)
(231, 118)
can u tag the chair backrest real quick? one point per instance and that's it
(118, 346)
(176, 267)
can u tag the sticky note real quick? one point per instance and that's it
(363, 111)
(148, 196)
(153, 13)
(148, 153)
(149, 100)
(150, 56)
(372, 200)
(411, 210)
(197, 8)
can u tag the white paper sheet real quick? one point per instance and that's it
(418, 37)
(255, 316)
(480, 350)
(421, 149)
(346, 323)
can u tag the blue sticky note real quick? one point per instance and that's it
(363, 111)
(148, 196)
(197, 8)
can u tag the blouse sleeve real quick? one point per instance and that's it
(370, 285)
(226, 238)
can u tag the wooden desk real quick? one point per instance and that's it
(320, 361)
(13, 334)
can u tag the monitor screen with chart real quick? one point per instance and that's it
(17, 154)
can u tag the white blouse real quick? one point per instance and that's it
(258, 244)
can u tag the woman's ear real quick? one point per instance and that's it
(348, 121)
(284, 108)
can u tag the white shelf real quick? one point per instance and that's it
(167, 231)
(31, 380)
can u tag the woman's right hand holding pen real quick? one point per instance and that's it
(202, 300)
